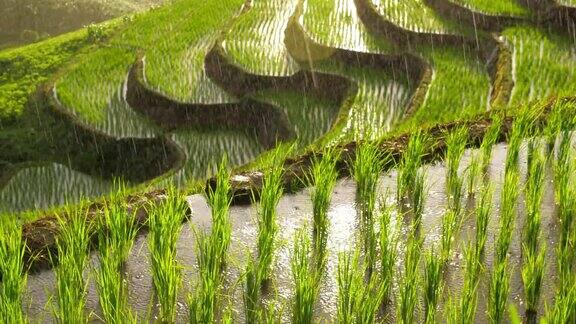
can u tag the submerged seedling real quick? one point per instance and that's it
(306, 279)
(409, 165)
(115, 239)
(323, 179)
(164, 223)
(456, 142)
(272, 189)
(433, 288)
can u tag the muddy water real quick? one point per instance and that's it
(294, 212)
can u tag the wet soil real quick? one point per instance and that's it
(294, 211)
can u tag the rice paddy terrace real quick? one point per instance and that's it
(293, 161)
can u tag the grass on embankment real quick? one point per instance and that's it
(23, 69)
(500, 7)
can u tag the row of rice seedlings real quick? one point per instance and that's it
(306, 278)
(13, 276)
(116, 236)
(532, 251)
(272, 189)
(462, 309)
(544, 64)
(414, 15)
(409, 165)
(358, 300)
(501, 7)
(456, 144)
(256, 39)
(410, 280)
(367, 166)
(446, 100)
(212, 251)
(72, 244)
(165, 222)
(43, 187)
(322, 177)
(335, 23)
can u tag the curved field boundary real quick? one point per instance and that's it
(473, 18)
(306, 51)
(403, 38)
(268, 122)
(41, 234)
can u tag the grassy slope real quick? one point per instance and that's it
(23, 69)
(501, 7)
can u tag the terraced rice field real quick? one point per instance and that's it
(303, 161)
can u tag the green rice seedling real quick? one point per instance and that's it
(348, 287)
(419, 197)
(220, 200)
(450, 223)
(563, 167)
(165, 222)
(12, 273)
(499, 290)
(408, 295)
(212, 250)
(433, 286)
(473, 173)
(358, 301)
(483, 210)
(564, 309)
(115, 239)
(366, 168)
(272, 189)
(490, 138)
(72, 245)
(252, 292)
(323, 179)
(532, 274)
(507, 213)
(388, 246)
(534, 191)
(409, 165)
(520, 128)
(463, 309)
(306, 279)
(203, 301)
(456, 144)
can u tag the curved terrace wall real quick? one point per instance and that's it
(268, 122)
